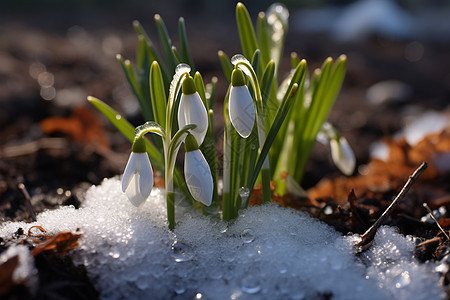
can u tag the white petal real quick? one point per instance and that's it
(192, 111)
(130, 169)
(242, 110)
(133, 193)
(198, 177)
(343, 156)
(146, 175)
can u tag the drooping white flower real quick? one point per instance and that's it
(137, 181)
(192, 110)
(197, 172)
(240, 105)
(342, 155)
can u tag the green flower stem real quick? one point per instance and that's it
(170, 200)
(227, 209)
(265, 170)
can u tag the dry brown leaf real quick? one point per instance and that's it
(82, 126)
(63, 242)
(380, 176)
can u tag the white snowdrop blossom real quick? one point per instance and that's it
(197, 173)
(343, 156)
(192, 111)
(240, 105)
(137, 181)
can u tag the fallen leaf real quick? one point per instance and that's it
(82, 126)
(63, 242)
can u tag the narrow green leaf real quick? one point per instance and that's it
(131, 78)
(200, 86)
(270, 105)
(176, 55)
(211, 89)
(143, 70)
(226, 64)
(246, 31)
(127, 130)
(280, 117)
(263, 38)
(152, 51)
(184, 47)
(158, 94)
(294, 59)
(166, 43)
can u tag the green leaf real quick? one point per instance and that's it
(200, 86)
(158, 94)
(131, 78)
(184, 47)
(263, 38)
(266, 84)
(152, 51)
(211, 89)
(176, 55)
(246, 31)
(166, 43)
(280, 117)
(294, 59)
(143, 70)
(226, 64)
(127, 130)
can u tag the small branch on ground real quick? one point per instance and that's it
(434, 219)
(24, 191)
(368, 236)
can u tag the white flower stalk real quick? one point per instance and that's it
(342, 155)
(240, 105)
(137, 181)
(192, 111)
(197, 172)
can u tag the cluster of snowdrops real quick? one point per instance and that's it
(271, 124)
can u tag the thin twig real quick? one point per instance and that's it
(434, 219)
(370, 233)
(24, 191)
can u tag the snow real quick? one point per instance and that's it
(268, 252)
(361, 19)
(25, 272)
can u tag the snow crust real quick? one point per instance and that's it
(269, 252)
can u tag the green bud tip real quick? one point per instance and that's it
(188, 86)
(139, 145)
(237, 77)
(190, 143)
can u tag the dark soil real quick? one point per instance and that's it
(77, 51)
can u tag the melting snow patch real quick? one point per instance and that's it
(269, 252)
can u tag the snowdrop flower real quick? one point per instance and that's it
(342, 155)
(137, 181)
(240, 105)
(197, 172)
(192, 111)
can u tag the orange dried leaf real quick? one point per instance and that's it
(63, 242)
(82, 126)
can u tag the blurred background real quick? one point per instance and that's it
(53, 54)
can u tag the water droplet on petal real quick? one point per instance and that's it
(251, 285)
(247, 236)
(181, 252)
